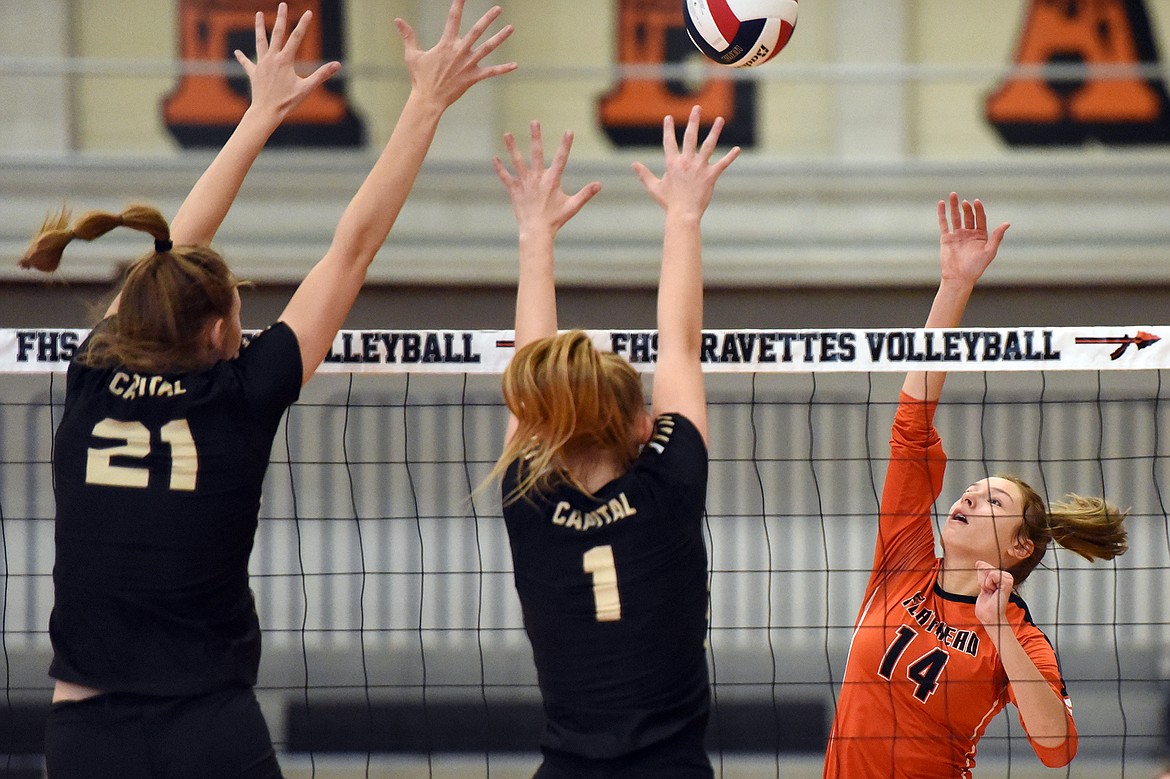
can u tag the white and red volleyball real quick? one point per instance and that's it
(740, 33)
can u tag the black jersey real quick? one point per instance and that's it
(157, 480)
(614, 594)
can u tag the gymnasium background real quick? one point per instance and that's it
(872, 113)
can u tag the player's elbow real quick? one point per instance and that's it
(356, 243)
(1057, 755)
(352, 257)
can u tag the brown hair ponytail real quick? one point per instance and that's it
(569, 400)
(44, 253)
(1089, 526)
(168, 296)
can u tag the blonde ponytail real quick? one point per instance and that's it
(1089, 526)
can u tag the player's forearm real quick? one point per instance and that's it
(371, 213)
(680, 287)
(204, 209)
(536, 301)
(1042, 710)
(950, 302)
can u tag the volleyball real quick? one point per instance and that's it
(740, 33)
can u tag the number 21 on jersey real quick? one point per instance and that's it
(135, 445)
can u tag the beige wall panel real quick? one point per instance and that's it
(564, 48)
(373, 48)
(123, 114)
(796, 114)
(947, 117)
(554, 38)
(36, 108)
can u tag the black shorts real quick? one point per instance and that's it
(679, 757)
(221, 734)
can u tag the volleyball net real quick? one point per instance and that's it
(383, 580)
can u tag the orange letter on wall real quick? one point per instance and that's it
(205, 108)
(653, 32)
(1049, 112)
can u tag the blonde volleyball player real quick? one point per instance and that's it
(943, 644)
(166, 433)
(602, 502)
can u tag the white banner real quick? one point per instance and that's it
(722, 351)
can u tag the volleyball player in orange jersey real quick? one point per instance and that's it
(942, 644)
(166, 433)
(603, 504)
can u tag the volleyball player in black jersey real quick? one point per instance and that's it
(603, 504)
(166, 434)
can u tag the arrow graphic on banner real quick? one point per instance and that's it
(1141, 341)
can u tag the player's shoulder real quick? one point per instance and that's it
(516, 472)
(674, 429)
(523, 508)
(1025, 627)
(673, 465)
(278, 337)
(675, 452)
(268, 367)
(1018, 610)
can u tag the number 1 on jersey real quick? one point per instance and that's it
(606, 598)
(184, 458)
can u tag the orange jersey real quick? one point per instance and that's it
(923, 679)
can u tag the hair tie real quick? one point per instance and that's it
(163, 245)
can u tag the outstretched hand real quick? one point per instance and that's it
(965, 247)
(688, 181)
(537, 196)
(275, 83)
(446, 71)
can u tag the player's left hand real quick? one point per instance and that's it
(688, 182)
(538, 200)
(995, 587)
(965, 246)
(275, 83)
(447, 70)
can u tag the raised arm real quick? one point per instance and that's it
(541, 208)
(439, 76)
(276, 91)
(965, 251)
(684, 192)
